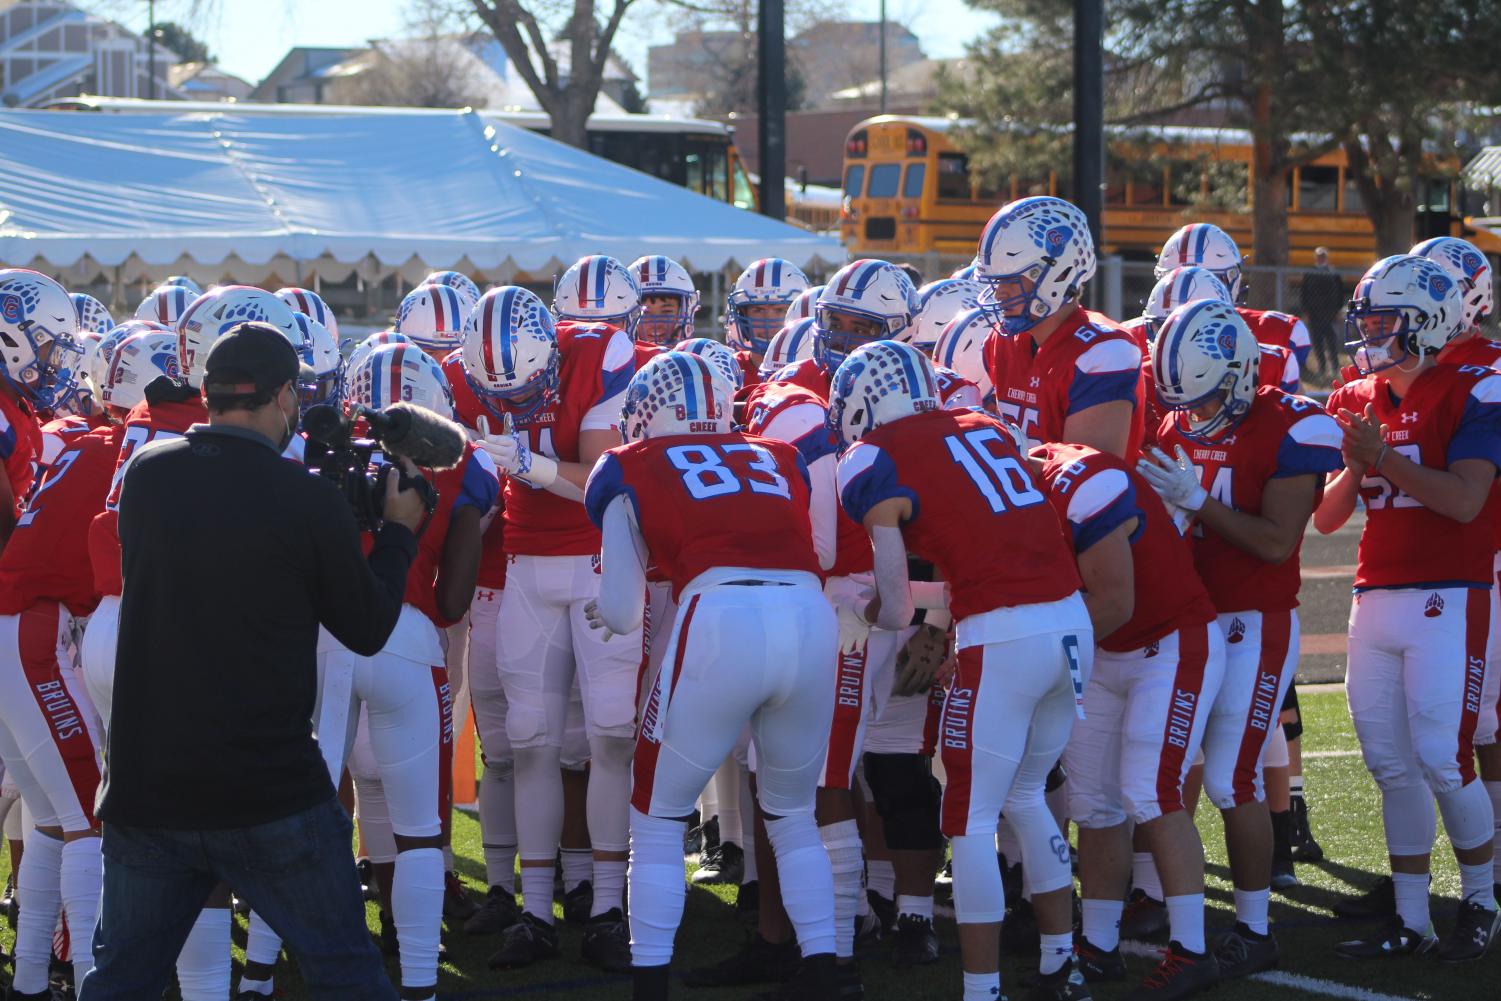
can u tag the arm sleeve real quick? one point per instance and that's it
(1106, 373)
(891, 577)
(358, 598)
(823, 508)
(622, 584)
(1479, 433)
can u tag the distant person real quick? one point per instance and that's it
(1322, 295)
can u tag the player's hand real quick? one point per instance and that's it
(1365, 437)
(1176, 480)
(596, 621)
(854, 629)
(507, 450)
(404, 506)
(919, 660)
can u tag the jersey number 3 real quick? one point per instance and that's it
(707, 470)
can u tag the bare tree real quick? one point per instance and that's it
(418, 73)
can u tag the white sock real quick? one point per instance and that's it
(657, 887)
(807, 882)
(248, 986)
(1411, 890)
(262, 945)
(727, 786)
(1056, 950)
(1475, 884)
(982, 986)
(203, 965)
(1295, 786)
(880, 876)
(497, 822)
(1144, 875)
(536, 891)
(41, 900)
(578, 867)
(1185, 918)
(1251, 908)
(747, 823)
(1102, 922)
(842, 841)
(80, 877)
(1493, 790)
(748, 845)
(921, 907)
(447, 851)
(609, 884)
(417, 909)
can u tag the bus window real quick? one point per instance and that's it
(1318, 187)
(694, 165)
(1352, 201)
(745, 195)
(883, 180)
(1115, 179)
(953, 176)
(854, 180)
(912, 183)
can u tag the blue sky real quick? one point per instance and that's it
(250, 36)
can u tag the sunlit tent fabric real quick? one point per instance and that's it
(332, 194)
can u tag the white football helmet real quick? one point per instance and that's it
(1205, 245)
(399, 373)
(183, 281)
(1206, 350)
(433, 317)
(38, 338)
(511, 349)
(658, 275)
(211, 314)
(770, 281)
(939, 302)
(1468, 266)
(310, 303)
(459, 282)
(598, 289)
(675, 393)
(165, 303)
(880, 382)
(961, 347)
(1178, 286)
(136, 361)
(792, 344)
(320, 352)
(98, 357)
(1035, 256)
(720, 358)
(868, 291)
(93, 315)
(1407, 298)
(379, 339)
(803, 306)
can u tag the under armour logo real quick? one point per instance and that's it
(1151, 650)
(1411, 418)
(1035, 381)
(1237, 631)
(1435, 606)
(483, 595)
(1229, 440)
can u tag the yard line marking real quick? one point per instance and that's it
(1312, 985)
(1327, 573)
(1330, 754)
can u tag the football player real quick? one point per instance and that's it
(938, 302)
(599, 289)
(165, 303)
(659, 500)
(758, 306)
(310, 304)
(914, 474)
(1421, 445)
(668, 304)
(960, 349)
(1061, 372)
(460, 282)
(560, 389)
(1246, 465)
(1206, 245)
(432, 317)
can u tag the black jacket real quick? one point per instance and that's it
(232, 558)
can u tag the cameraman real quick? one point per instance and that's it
(232, 558)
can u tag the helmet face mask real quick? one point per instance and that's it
(38, 326)
(757, 306)
(666, 318)
(756, 323)
(1206, 364)
(841, 331)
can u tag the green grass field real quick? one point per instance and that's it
(1346, 819)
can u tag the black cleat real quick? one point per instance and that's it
(916, 942)
(757, 962)
(389, 946)
(748, 902)
(496, 913)
(1067, 983)
(1392, 939)
(725, 865)
(607, 942)
(1241, 952)
(1181, 974)
(867, 930)
(527, 941)
(10, 903)
(816, 979)
(1019, 934)
(882, 908)
(847, 980)
(650, 983)
(1304, 847)
(578, 902)
(1099, 966)
(1144, 918)
(1283, 877)
(1474, 928)
(366, 870)
(1380, 901)
(456, 903)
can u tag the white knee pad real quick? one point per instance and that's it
(1434, 748)
(526, 726)
(1408, 818)
(1468, 817)
(1045, 855)
(979, 897)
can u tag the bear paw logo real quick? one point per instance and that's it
(1434, 607)
(1237, 631)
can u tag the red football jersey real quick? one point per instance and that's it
(685, 489)
(808, 374)
(977, 512)
(1282, 435)
(748, 368)
(1450, 412)
(1095, 493)
(20, 447)
(955, 391)
(787, 411)
(1477, 349)
(1089, 360)
(1281, 330)
(47, 557)
(646, 352)
(468, 409)
(147, 422)
(60, 432)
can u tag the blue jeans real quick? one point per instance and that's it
(296, 873)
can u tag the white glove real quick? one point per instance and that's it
(1175, 480)
(506, 450)
(592, 616)
(854, 628)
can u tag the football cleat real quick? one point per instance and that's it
(748, 901)
(389, 946)
(607, 942)
(1391, 939)
(496, 913)
(1474, 927)
(916, 942)
(527, 941)
(1379, 901)
(1067, 983)
(1283, 877)
(366, 870)
(1097, 965)
(818, 979)
(1304, 847)
(726, 865)
(883, 909)
(578, 902)
(757, 962)
(1181, 974)
(1145, 917)
(456, 903)
(1019, 934)
(1241, 952)
(867, 930)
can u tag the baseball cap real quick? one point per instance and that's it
(247, 359)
